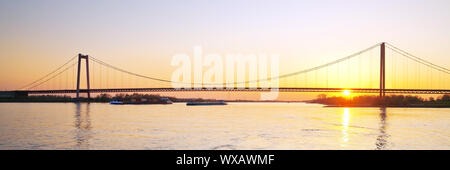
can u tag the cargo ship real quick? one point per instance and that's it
(205, 103)
(162, 100)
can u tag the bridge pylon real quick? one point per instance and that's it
(382, 70)
(86, 57)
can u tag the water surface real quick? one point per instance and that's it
(234, 126)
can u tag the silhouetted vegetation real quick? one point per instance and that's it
(392, 100)
(127, 97)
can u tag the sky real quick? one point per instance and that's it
(143, 36)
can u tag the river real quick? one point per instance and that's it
(234, 126)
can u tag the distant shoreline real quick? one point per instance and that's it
(399, 101)
(174, 102)
(105, 98)
(325, 105)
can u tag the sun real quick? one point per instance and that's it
(346, 92)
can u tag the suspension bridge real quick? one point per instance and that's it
(381, 68)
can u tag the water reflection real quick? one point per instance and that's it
(345, 123)
(82, 124)
(381, 142)
(103, 126)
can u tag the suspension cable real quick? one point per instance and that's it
(34, 82)
(423, 62)
(52, 76)
(404, 53)
(243, 82)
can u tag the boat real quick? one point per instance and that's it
(205, 103)
(115, 102)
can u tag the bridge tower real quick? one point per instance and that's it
(86, 57)
(382, 70)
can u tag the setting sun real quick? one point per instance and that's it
(346, 92)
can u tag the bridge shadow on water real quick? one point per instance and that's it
(382, 139)
(82, 125)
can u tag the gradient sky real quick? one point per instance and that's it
(142, 36)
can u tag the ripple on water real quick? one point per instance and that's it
(224, 147)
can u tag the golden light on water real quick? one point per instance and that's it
(345, 123)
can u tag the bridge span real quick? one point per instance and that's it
(319, 90)
(408, 74)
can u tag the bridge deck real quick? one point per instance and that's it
(353, 90)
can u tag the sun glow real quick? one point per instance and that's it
(346, 92)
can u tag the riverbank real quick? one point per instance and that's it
(388, 101)
(396, 106)
(177, 101)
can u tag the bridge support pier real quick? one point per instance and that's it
(86, 57)
(382, 71)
